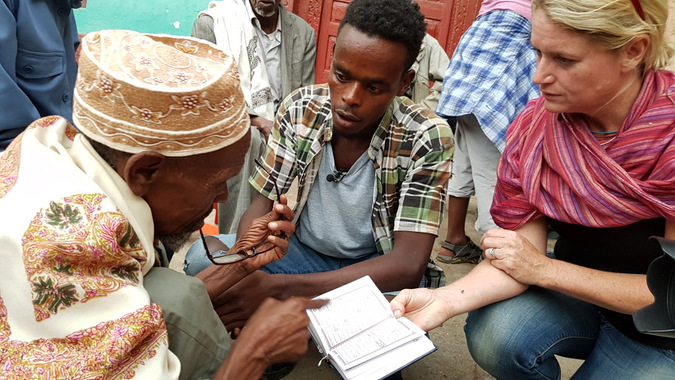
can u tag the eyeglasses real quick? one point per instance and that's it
(220, 254)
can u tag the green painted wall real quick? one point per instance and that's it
(146, 16)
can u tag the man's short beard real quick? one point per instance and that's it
(175, 241)
(178, 240)
(263, 13)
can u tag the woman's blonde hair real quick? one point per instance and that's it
(614, 23)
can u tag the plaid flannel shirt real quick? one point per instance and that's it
(410, 150)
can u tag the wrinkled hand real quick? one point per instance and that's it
(515, 255)
(278, 329)
(235, 305)
(264, 126)
(424, 307)
(269, 232)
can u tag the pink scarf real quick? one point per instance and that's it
(553, 166)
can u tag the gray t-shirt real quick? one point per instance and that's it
(336, 220)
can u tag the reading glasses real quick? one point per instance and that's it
(220, 254)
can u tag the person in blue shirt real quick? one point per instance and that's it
(37, 62)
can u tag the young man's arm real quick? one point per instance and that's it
(402, 268)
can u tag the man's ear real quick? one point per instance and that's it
(635, 51)
(140, 171)
(406, 80)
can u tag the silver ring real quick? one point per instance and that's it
(491, 252)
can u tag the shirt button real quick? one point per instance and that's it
(62, 12)
(28, 69)
(65, 98)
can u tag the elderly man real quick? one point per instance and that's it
(372, 168)
(37, 64)
(162, 127)
(275, 51)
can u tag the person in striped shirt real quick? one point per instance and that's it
(594, 158)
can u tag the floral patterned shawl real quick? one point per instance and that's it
(74, 246)
(553, 166)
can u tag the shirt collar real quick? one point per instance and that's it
(382, 130)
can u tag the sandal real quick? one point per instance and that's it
(468, 253)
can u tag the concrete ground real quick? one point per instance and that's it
(452, 359)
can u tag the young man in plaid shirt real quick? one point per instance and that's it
(371, 166)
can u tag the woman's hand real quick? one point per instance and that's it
(424, 307)
(514, 254)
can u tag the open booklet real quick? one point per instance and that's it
(357, 333)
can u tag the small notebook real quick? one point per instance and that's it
(358, 335)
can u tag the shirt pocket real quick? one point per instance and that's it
(36, 65)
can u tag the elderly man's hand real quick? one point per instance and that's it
(276, 333)
(269, 233)
(235, 305)
(281, 327)
(264, 126)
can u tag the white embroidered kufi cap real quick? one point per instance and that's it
(178, 96)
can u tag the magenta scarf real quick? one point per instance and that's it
(553, 166)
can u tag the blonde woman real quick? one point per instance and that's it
(594, 157)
